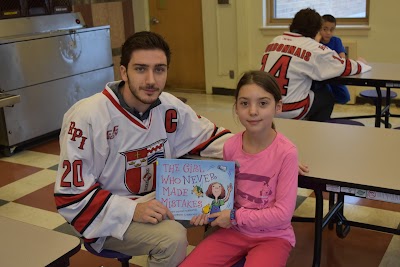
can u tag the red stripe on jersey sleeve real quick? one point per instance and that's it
(205, 144)
(359, 69)
(64, 200)
(347, 69)
(91, 210)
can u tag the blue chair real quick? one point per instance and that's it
(373, 95)
(105, 253)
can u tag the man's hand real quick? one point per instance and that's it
(201, 219)
(151, 212)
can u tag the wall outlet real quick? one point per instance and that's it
(231, 74)
(223, 2)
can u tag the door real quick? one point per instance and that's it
(180, 23)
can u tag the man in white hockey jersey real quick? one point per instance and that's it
(109, 145)
(296, 60)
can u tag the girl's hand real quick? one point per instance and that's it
(222, 219)
(201, 219)
(303, 169)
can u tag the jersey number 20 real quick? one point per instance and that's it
(76, 168)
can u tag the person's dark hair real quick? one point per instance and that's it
(306, 22)
(143, 41)
(329, 18)
(263, 79)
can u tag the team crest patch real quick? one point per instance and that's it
(140, 167)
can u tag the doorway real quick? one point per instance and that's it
(180, 23)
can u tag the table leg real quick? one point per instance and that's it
(331, 203)
(318, 227)
(378, 107)
(387, 113)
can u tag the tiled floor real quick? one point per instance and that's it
(26, 194)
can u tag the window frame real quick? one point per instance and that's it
(271, 21)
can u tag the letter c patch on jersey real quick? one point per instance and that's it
(171, 120)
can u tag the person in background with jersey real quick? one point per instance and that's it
(340, 92)
(109, 146)
(296, 60)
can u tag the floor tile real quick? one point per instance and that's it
(3, 202)
(54, 168)
(11, 172)
(49, 147)
(360, 248)
(27, 185)
(66, 229)
(372, 216)
(42, 198)
(35, 216)
(304, 192)
(392, 255)
(32, 158)
(300, 200)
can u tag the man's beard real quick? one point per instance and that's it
(135, 93)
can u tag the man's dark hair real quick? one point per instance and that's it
(306, 22)
(143, 41)
(329, 18)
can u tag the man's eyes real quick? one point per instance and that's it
(161, 69)
(140, 69)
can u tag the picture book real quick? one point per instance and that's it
(190, 187)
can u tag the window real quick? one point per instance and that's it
(347, 12)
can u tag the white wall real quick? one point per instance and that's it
(141, 17)
(234, 40)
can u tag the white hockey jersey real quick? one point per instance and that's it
(108, 158)
(296, 61)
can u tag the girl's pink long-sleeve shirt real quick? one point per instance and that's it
(265, 187)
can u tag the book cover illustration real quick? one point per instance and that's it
(190, 187)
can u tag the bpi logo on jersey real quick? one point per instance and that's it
(140, 167)
(77, 134)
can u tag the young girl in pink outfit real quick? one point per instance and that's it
(259, 226)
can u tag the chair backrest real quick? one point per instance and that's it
(106, 253)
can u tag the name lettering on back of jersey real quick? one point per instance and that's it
(289, 49)
(77, 135)
(112, 133)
